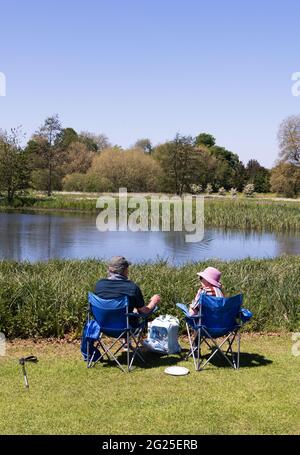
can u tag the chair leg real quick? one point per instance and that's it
(238, 349)
(235, 358)
(230, 351)
(128, 352)
(136, 350)
(107, 351)
(88, 355)
(217, 350)
(91, 359)
(198, 349)
(192, 348)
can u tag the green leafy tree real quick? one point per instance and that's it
(222, 153)
(205, 139)
(66, 137)
(238, 177)
(181, 164)
(229, 169)
(46, 151)
(258, 175)
(14, 171)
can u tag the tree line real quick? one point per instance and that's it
(57, 158)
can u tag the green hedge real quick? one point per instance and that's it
(50, 299)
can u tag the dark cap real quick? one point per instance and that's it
(118, 263)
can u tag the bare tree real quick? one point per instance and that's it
(285, 179)
(96, 142)
(289, 139)
(144, 144)
(78, 158)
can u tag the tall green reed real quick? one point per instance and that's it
(50, 299)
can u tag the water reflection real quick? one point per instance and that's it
(38, 237)
(287, 245)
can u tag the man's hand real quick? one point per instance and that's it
(155, 299)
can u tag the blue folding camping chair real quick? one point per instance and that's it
(111, 318)
(218, 317)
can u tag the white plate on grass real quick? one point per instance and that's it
(177, 371)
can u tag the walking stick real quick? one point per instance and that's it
(22, 362)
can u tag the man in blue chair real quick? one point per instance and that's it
(118, 284)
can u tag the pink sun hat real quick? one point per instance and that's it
(211, 275)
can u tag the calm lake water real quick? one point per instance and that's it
(39, 237)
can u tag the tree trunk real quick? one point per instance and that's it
(49, 181)
(10, 197)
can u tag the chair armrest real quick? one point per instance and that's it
(185, 310)
(246, 315)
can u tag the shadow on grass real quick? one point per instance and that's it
(247, 360)
(151, 361)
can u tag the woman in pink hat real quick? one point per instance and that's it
(210, 285)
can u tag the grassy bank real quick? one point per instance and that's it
(50, 299)
(261, 398)
(226, 213)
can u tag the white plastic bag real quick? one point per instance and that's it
(163, 335)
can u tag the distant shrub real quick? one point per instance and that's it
(86, 182)
(233, 192)
(95, 183)
(131, 169)
(209, 188)
(39, 180)
(73, 182)
(196, 189)
(249, 190)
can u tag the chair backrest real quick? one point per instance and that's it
(219, 314)
(110, 313)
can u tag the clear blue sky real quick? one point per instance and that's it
(151, 68)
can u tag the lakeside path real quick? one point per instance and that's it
(92, 196)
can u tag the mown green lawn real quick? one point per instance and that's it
(263, 397)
